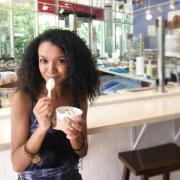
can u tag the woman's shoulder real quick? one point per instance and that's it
(21, 98)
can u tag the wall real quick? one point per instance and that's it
(141, 24)
(102, 161)
(6, 172)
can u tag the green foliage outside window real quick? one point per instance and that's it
(23, 26)
(23, 31)
(4, 34)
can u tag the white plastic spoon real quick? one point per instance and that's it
(50, 85)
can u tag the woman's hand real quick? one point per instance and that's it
(74, 128)
(76, 132)
(43, 111)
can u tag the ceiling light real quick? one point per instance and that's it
(61, 11)
(148, 12)
(45, 7)
(148, 15)
(172, 4)
(159, 9)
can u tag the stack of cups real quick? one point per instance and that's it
(140, 65)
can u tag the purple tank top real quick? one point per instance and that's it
(56, 153)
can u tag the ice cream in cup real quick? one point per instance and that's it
(64, 114)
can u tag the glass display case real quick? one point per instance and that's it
(134, 45)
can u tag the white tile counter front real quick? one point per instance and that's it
(5, 129)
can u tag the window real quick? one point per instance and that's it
(23, 4)
(97, 36)
(47, 21)
(83, 30)
(24, 31)
(4, 33)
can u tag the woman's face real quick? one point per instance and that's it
(52, 62)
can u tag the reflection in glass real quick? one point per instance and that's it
(23, 4)
(47, 21)
(97, 37)
(83, 30)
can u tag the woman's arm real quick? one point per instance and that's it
(78, 134)
(20, 131)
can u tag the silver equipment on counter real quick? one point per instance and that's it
(160, 25)
(172, 53)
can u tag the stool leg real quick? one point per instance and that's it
(126, 173)
(166, 176)
(144, 177)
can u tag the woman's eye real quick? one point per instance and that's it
(43, 61)
(61, 61)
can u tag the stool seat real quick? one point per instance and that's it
(151, 161)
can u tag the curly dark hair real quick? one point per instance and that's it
(82, 77)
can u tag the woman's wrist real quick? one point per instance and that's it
(82, 144)
(42, 129)
(27, 151)
(34, 156)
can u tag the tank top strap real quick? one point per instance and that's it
(33, 119)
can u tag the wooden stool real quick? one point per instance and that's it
(151, 161)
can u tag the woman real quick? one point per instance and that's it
(38, 150)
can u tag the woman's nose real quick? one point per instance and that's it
(52, 68)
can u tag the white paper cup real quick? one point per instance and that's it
(64, 113)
